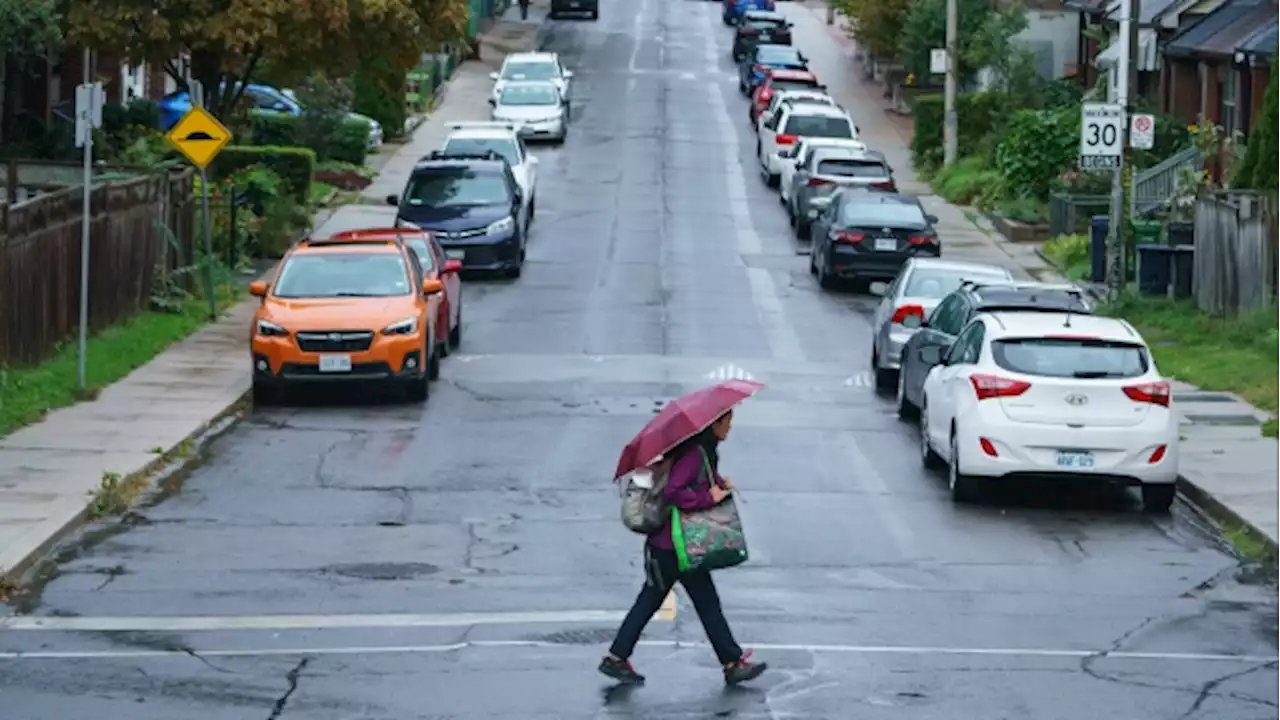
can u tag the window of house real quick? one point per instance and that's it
(1228, 96)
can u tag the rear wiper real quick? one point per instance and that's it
(1092, 374)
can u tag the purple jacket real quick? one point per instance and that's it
(687, 489)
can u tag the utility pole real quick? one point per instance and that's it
(1126, 85)
(950, 142)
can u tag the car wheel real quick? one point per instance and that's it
(418, 389)
(964, 488)
(860, 286)
(264, 394)
(514, 271)
(813, 267)
(595, 14)
(928, 457)
(825, 281)
(1158, 498)
(885, 378)
(533, 208)
(906, 411)
(802, 228)
(433, 362)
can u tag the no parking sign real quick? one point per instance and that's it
(1142, 132)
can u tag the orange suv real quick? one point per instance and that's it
(346, 309)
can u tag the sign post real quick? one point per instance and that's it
(200, 137)
(88, 118)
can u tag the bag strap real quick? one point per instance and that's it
(706, 466)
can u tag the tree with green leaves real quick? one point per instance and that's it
(985, 38)
(1261, 162)
(229, 41)
(875, 24)
(28, 28)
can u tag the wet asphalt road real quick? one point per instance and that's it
(659, 262)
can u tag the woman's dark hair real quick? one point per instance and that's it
(706, 440)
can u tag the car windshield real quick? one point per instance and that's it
(529, 95)
(536, 70)
(848, 167)
(884, 214)
(456, 187)
(343, 274)
(423, 253)
(761, 23)
(506, 147)
(785, 85)
(819, 126)
(934, 283)
(778, 55)
(1083, 358)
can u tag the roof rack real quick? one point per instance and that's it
(442, 155)
(353, 240)
(481, 124)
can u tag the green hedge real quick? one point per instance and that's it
(978, 116)
(380, 93)
(139, 113)
(273, 129)
(293, 164)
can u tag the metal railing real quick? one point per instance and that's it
(1154, 187)
(1069, 214)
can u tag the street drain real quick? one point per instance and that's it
(382, 571)
(587, 636)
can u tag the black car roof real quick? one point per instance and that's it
(992, 297)
(438, 159)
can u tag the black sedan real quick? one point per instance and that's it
(865, 235)
(760, 26)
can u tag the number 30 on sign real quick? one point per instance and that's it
(1101, 134)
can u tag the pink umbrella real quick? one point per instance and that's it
(680, 420)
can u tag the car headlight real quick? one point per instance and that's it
(407, 326)
(500, 226)
(266, 328)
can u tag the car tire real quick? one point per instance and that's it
(928, 458)
(886, 379)
(906, 411)
(265, 395)
(455, 334)
(418, 389)
(860, 286)
(433, 363)
(825, 281)
(1158, 498)
(533, 209)
(802, 229)
(813, 267)
(964, 488)
(514, 271)
(595, 14)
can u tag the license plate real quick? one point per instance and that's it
(765, 37)
(335, 363)
(1075, 459)
(455, 254)
(886, 244)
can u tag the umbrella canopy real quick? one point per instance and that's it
(680, 420)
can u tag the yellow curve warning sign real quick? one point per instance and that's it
(199, 136)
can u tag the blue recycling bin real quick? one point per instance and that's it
(1155, 268)
(1098, 226)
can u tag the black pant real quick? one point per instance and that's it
(662, 571)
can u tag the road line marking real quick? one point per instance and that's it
(666, 644)
(669, 607)
(299, 622)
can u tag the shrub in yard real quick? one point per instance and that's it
(1024, 210)
(1035, 147)
(139, 113)
(294, 165)
(977, 115)
(349, 144)
(965, 181)
(1070, 253)
(380, 93)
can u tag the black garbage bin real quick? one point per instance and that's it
(1154, 268)
(1184, 260)
(1180, 232)
(1098, 225)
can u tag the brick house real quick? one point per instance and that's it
(1218, 68)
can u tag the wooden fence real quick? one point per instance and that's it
(40, 258)
(1235, 256)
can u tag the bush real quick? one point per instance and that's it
(1035, 147)
(1024, 210)
(350, 143)
(1070, 253)
(139, 113)
(965, 181)
(978, 116)
(294, 165)
(380, 93)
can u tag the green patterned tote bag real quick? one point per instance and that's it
(709, 539)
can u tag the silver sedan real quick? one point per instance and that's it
(537, 107)
(909, 299)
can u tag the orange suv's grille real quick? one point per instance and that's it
(335, 341)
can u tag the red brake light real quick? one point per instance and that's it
(993, 386)
(988, 447)
(901, 314)
(786, 140)
(922, 240)
(1156, 393)
(890, 186)
(850, 238)
(1157, 455)
(818, 182)
(750, 31)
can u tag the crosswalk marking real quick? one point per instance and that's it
(730, 372)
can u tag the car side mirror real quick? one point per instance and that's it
(533, 159)
(452, 266)
(931, 355)
(931, 218)
(431, 286)
(393, 200)
(493, 102)
(568, 74)
(493, 76)
(258, 288)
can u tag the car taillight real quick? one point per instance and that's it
(1157, 455)
(1156, 393)
(890, 186)
(786, 140)
(850, 238)
(766, 95)
(750, 31)
(818, 182)
(993, 386)
(759, 68)
(922, 239)
(988, 447)
(901, 314)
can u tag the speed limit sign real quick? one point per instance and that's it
(1101, 133)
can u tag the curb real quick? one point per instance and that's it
(1218, 511)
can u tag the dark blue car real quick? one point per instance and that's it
(735, 9)
(768, 57)
(474, 206)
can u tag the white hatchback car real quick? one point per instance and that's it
(792, 122)
(1050, 394)
(477, 138)
(532, 66)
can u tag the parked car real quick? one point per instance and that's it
(763, 58)
(759, 26)
(825, 169)
(864, 235)
(563, 7)
(261, 99)
(537, 109)
(732, 10)
(435, 263)
(940, 327)
(344, 311)
(793, 122)
(474, 206)
(529, 66)
(796, 83)
(784, 99)
(503, 138)
(1056, 395)
(912, 296)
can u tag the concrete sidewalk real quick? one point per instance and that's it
(157, 417)
(1227, 467)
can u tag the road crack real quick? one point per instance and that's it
(292, 677)
(1207, 690)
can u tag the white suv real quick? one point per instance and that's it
(1022, 394)
(793, 122)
